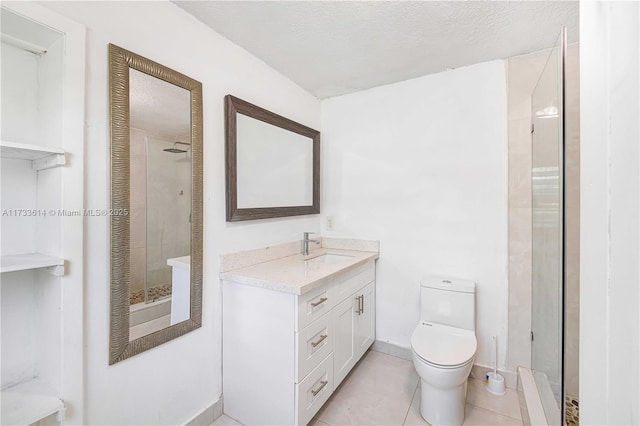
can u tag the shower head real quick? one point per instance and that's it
(176, 150)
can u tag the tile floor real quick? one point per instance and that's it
(384, 390)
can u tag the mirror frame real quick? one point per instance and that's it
(120, 61)
(234, 106)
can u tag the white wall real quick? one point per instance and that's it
(421, 166)
(173, 382)
(610, 233)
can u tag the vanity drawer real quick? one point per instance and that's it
(353, 280)
(314, 343)
(314, 391)
(313, 305)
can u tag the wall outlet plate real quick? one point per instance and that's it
(330, 223)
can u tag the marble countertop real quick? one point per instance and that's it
(292, 274)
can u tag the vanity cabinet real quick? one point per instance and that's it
(284, 354)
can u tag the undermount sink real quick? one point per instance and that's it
(327, 259)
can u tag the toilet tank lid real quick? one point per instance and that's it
(447, 283)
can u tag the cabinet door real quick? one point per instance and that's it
(364, 319)
(344, 357)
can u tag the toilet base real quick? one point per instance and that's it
(443, 407)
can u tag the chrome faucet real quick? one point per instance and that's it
(306, 241)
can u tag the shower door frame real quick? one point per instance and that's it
(562, 220)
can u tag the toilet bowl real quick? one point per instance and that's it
(444, 347)
(443, 357)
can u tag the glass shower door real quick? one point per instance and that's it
(547, 103)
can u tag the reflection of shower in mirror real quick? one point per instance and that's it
(160, 226)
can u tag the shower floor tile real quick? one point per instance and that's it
(572, 413)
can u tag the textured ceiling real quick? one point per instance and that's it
(332, 48)
(161, 109)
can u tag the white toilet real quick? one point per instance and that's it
(444, 346)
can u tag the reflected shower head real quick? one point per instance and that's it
(175, 150)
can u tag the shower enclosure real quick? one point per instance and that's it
(549, 220)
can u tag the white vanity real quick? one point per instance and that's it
(294, 326)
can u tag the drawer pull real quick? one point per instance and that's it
(319, 302)
(322, 337)
(322, 385)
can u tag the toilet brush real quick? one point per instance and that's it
(495, 381)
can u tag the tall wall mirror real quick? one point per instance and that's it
(156, 204)
(273, 164)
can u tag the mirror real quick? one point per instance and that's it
(156, 204)
(273, 164)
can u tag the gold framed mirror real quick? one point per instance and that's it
(156, 204)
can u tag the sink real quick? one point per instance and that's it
(327, 259)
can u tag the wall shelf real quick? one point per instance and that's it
(22, 262)
(41, 157)
(28, 402)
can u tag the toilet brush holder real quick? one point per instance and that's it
(495, 383)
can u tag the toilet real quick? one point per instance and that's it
(444, 347)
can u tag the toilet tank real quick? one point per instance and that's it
(448, 301)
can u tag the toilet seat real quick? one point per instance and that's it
(443, 346)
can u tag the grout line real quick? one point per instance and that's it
(413, 395)
(493, 411)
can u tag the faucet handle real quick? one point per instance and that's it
(306, 235)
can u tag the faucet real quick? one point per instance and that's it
(306, 241)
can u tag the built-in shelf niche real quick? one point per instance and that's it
(43, 64)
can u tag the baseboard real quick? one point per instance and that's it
(510, 377)
(477, 372)
(208, 415)
(392, 349)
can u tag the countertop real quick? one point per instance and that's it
(291, 274)
(183, 262)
